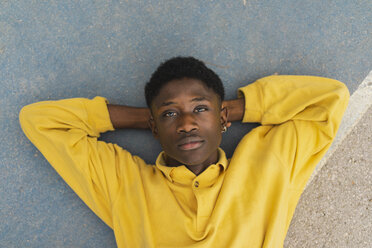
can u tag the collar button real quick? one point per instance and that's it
(196, 184)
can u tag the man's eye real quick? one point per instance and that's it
(170, 114)
(200, 109)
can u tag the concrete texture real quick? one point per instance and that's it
(336, 208)
(62, 49)
(359, 102)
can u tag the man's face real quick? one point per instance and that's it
(188, 120)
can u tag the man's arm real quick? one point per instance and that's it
(300, 116)
(66, 132)
(235, 109)
(276, 99)
(128, 117)
(133, 117)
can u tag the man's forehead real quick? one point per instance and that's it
(191, 90)
(184, 84)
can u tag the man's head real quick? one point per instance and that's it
(182, 67)
(187, 117)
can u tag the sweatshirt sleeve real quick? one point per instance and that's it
(66, 133)
(304, 111)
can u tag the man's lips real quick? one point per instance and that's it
(190, 143)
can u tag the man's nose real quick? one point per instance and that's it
(186, 123)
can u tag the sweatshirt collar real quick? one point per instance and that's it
(182, 175)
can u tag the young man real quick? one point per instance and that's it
(193, 196)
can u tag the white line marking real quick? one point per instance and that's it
(359, 103)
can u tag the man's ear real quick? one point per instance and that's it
(153, 127)
(225, 116)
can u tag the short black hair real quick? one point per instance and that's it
(178, 68)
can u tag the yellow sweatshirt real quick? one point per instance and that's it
(247, 201)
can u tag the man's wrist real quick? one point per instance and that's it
(128, 117)
(235, 109)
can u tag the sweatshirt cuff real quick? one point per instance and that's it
(254, 108)
(98, 112)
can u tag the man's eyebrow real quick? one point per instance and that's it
(199, 99)
(196, 99)
(167, 103)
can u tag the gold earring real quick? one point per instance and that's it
(224, 129)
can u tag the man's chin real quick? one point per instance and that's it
(192, 158)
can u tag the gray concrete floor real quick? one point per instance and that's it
(336, 208)
(51, 50)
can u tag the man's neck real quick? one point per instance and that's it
(196, 169)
